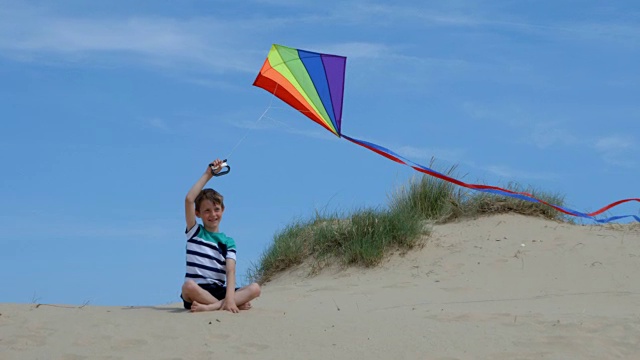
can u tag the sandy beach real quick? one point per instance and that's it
(500, 287)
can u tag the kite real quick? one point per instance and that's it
(313, 83)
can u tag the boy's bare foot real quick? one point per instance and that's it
(197, 307)
(245, 306)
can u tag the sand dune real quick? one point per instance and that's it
(502, 287)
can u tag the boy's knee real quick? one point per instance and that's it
(189, 287)
(255, 289)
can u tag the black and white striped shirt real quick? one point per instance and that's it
(207, 254)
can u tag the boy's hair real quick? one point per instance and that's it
(209, 194)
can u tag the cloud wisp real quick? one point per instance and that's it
(464, 15)
(616, 150)
(157, 124)
(37, 35)
(552, 135)
(508, 172)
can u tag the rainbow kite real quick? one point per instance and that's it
(313, 83)
(310, 82)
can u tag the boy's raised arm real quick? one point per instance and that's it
(189, 201)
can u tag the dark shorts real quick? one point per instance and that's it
(219, 292)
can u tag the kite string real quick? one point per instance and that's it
(247, 132)
(252, 127)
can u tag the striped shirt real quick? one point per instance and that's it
(207, 254)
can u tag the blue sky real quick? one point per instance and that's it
(110, 111)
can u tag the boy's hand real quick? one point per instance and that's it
(216, 166)
(230, 305)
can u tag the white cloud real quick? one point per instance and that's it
(28, 32)
(513, 115)
(612, 149)
(36, 34)
(383, 14)
(510, 173)
(465, 15)
(617, 150)
(620, 32)
(157, 123)
(200, 44)
(614, 143)
(545, 135)
(355, 50)
(418, 154)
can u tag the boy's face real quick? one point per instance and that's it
(211, 214)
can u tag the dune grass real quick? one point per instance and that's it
(430, 198)
(363, 237)
(360, 238)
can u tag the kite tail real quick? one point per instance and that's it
(492, 189)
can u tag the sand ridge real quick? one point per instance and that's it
(500, 287)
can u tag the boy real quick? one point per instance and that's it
(211, 255)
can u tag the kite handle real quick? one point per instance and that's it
(222, 166)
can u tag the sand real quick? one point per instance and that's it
(501, 287)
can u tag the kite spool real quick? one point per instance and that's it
(224, 168)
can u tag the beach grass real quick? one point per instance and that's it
(363, 237)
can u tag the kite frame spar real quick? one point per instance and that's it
(313, 83)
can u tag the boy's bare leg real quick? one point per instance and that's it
(243, 297)
(245, 294)
(192, 292)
